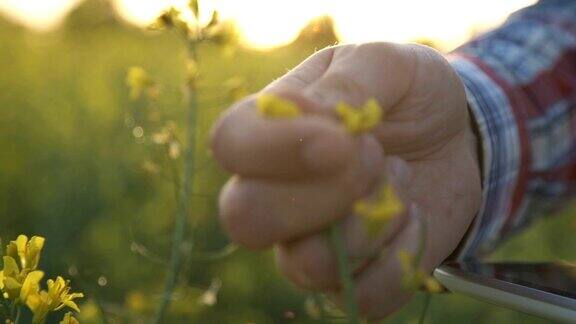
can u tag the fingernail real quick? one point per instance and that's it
(398, 169)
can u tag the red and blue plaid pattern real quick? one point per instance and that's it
(520, 81)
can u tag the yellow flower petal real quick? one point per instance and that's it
(12, 288)
(12, 250)
(137, 80)
(59, 296)
(70, 304)
(33, 252)
(359, 120)
(273, 106)
(371, 114)
(26, 252)
(21, 245)
(10, 267)
(69, 319)
(39, 304)
(350, 117)
(377, 214)
(432, 285)
(31, 285)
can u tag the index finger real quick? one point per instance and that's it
(246, 144)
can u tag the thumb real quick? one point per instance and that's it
(359, 72)
(304, 74)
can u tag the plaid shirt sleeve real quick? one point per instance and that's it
(520, 81)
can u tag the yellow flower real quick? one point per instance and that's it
(137, 80)
(10, 270)
(273, 106)
(362, 119)
(432, 285)
(69, 319)
(18, 285)
(59, 292)
(39, 304)
(57, 297)
(236, 88)
(167, 19)
(414, 278)
(31, 285)
(376, 214)
(26, 251)
(411, 277)
(372, 114)
(191, 67)
(135, 301)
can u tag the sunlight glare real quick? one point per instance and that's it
(261, 23)
(266, 23)
(37, 14)
(269, 23)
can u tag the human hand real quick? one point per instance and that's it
(294, 178)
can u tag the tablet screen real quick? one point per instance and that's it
(556, 278)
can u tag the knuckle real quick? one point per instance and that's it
(415, 129)
(430, 61)
(344, 84)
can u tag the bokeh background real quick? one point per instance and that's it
(74, 169)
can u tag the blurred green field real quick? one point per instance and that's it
(71, 170)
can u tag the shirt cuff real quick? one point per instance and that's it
(501, 148)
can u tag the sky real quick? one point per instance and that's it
(269, 23)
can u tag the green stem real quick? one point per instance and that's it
(214, 256)
(346, 279)
(422, 243)
(418, 259)
(181, 222)
(5, 307)
(427, 299)
(18, 312)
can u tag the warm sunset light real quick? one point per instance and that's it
(37, 14)
(286, 161)
(266, 23)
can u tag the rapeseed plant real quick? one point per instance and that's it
(20, 284)
(142, 87)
